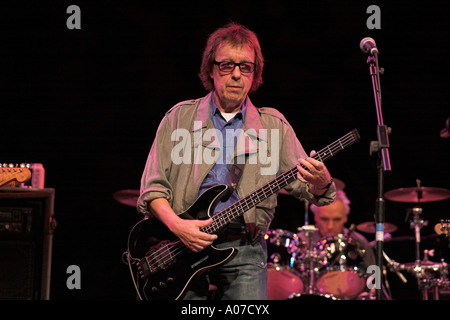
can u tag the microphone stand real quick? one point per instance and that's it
(383, 165)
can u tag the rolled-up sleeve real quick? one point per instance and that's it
(155, 182)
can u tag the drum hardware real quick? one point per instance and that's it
(417, 223)
(276, 258)
(429, 275)
(394, 267)
(314, 296)
(417, 195)
(331, 266)
(284, 238)
(310, 257)
(442, 227)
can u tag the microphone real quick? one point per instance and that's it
(368, 45)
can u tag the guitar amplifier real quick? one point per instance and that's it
(26, 237)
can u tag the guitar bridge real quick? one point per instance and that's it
(143, 268)
(156, 259)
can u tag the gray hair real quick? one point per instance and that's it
(340, 195)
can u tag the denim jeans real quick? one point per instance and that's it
(244, 277)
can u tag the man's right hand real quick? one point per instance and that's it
(188, 231)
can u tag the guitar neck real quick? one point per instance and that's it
(235, 210)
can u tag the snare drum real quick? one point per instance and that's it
(342, 274)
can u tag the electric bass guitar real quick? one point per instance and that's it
(162, 267)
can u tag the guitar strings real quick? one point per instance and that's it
(266, 190)
(226, 215)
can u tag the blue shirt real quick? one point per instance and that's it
(220, 172)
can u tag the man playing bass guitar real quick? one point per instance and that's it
(223, 139)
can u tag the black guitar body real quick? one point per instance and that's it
(163, 266)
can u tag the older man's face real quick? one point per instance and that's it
(330, 219)
(232, 88)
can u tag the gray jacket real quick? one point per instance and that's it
(183, 152)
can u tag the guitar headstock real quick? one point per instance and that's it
(355, 134)
(10, 173)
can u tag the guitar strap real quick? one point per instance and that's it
(234, 179)
(236, 170)
(252, 230)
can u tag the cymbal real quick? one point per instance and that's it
(417, 194)
(340, 185)
(128, 197)
(370, 227)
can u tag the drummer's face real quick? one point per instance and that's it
(330, 219)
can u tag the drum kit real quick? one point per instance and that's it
(332, 268)
(431, 276)
(300, 267)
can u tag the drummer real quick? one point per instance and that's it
(330, 220)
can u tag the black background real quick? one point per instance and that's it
(86, 103)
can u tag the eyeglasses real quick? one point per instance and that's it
(228, 66)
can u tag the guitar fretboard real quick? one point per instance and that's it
(238, 208)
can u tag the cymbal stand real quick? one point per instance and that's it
(308, 230)
(417, 223)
